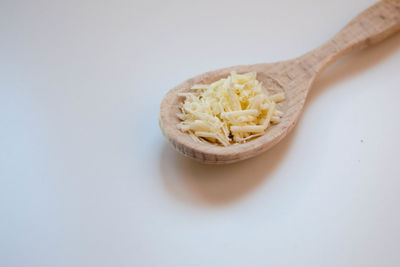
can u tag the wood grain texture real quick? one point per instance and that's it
(294, 77)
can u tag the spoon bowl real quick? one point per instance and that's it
(275, 77)
(293, 77)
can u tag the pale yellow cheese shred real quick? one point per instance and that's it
(231, 110)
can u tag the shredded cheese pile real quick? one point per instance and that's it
(230, 110)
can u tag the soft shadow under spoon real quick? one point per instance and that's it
(294, 77)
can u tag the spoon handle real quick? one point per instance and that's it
(371, 26)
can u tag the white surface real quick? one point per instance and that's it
(86, 178)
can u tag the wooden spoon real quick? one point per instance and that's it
(294, 77)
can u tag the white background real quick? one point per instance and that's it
(86, 178)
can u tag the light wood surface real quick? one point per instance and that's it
(295, 77)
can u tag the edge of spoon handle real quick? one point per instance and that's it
(373, 25)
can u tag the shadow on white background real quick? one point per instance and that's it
(218, 184)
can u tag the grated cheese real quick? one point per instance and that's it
(231, 110)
